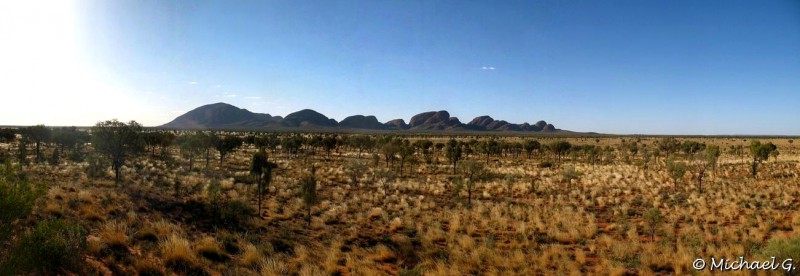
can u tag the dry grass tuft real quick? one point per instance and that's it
(114, 234)
(149, 267)
(250, 257)
(211, 249)
(177, 254)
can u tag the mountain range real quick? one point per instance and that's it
(223, 116)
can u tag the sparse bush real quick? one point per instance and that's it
(676, 170)
(47, 248)
(761, 152)
(308, 192)
(214, 192)
(118, 141)
(76, 156)
(17, 195)
(653, 218)
(474, 172)
(782, 249)
(546, 164)
(569, 173)
(96, 167)
(233, 214)
(355, 169)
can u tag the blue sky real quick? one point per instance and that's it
(625, 67)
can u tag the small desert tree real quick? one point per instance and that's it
(531, 145)
(453, 152)
(676, 170)
(22, 151)
(560, 148)
(355, 169)
(510, 180)
(594, 154)
(227, 144)
(669, 146)
(383, 177)
(646, 157)
(489, 147)
(191, 145)
(95, 168)
(329, 143)
(37, 134)
(423, 147)
(204, 143)
(389, 150)
(117, 141)
(292, 144)
(760, 152)
(653, 218)
(361, 142)
(7, 135)
(406, 151)
(68, 138)
(308, 192)
(710, 160)
(474, 172)
(261, 168)
(691, 148)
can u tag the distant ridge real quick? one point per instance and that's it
(223, 116)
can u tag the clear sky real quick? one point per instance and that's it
(625, 67)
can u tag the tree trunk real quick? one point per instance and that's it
(38, 152)
(469, 195)
(308, 218)
(700, 182)
(402, 160)
(208, 157)
(260, 193)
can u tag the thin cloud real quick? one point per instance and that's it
(490, 68)
(192, 82)
(253, 97)
(217, 86)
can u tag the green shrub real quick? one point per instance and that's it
(47, 248)
(782, 249)
(546, 164)
(17, 195)
(76, 156)
(232, 214)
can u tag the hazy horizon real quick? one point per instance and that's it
(679, 67)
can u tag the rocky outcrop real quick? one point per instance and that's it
(481, 121)
(220, 115)
(225, 116)
(308, 118)
(363, 122)
(396, 124)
